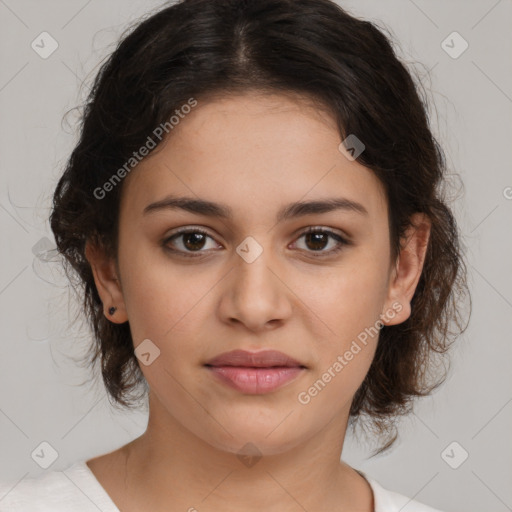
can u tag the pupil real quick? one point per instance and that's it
(316, 237)
(194, 237)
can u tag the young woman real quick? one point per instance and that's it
(254, 211)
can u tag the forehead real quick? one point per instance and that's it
(253, 153)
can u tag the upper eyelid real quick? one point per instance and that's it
(297, 232)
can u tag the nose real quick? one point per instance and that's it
(255, 295)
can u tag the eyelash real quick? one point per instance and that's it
(342, 242)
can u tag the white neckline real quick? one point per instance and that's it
(86, 480)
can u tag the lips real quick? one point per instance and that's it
(264, 359)
(255, 373)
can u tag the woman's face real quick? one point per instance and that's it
(255, 281)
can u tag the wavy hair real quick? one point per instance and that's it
(314, 48)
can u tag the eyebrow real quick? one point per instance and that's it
(289, 211)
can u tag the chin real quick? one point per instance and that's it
(253, 442)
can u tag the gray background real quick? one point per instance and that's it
(44, 396)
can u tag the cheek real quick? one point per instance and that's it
(159, 295)
(332, 388)
(350, 305)
(353, 296)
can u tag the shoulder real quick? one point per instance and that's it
(69, 490)
(390, 501)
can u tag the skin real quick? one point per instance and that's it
(253, 153)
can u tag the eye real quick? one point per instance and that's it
(188, 241)
(316, 239)
(191, 240)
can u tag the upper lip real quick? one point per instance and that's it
(263, 359)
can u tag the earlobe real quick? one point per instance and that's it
(408, 270)
(107, 283)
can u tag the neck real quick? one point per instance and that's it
(170, 468)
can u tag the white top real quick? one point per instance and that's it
(76, 489)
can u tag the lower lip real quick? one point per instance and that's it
(255, 381)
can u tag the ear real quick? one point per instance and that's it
(407, 272)
(107, 282)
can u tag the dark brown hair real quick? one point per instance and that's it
(197, 48)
